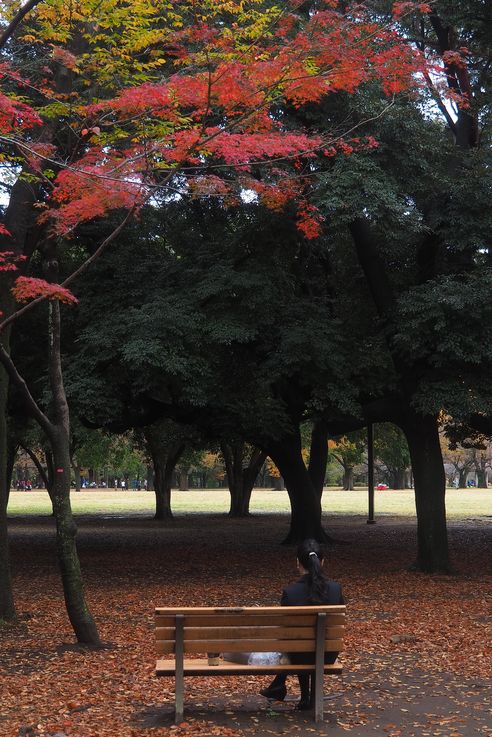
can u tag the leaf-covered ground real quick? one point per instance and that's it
(418, 657)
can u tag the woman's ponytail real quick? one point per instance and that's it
(310, 556)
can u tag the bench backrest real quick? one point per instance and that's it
(248, 629)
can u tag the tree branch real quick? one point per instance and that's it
(26, 395)
(83, 267)
(18, 18)
(37, 463)
(437, 99)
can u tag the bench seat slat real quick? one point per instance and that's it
(239, 646)
(199, 667)
(249, 620)
(235, 633)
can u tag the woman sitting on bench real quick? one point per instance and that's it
(311, 589)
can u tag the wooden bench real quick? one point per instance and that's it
(201, 630)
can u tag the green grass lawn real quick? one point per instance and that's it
(460, 503)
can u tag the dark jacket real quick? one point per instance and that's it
(296, 594)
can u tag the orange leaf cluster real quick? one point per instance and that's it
(8, 259)
(27, 288)
(16, 115)
(309, 220)
(99, 184)
(215, 104)
(402, 8)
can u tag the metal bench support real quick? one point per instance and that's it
(179, 677)
(317, 678)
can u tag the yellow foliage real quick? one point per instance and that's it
(210, 460)
(272, 469)
(122, 36)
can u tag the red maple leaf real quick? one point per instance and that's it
(28, 287)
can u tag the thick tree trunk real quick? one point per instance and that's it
(348, 478)
(78, 612)
(165, 454)
(398, 479)
(318, 456)
(162, 489)
(233, 455)
(304, 501)
(240, 499)
(430, 490)
(463, 473)
(164, 470)
(183, 481)
(421, 431)
(482, 479)
(241, 477)
(7, 608)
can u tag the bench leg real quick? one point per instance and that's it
(317, 678)
(317, 688)
(179, 676)
(179, 699)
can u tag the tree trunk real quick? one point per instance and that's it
(233, 455)
(304, 501)
(318, 456)
(240, 498)
(165, 453)
(80, 617)
(348, 478)
(278, 483)
(19, 218)
(398, 479)
(430, 491)
(479, 462)
(162, 488)
(481, 479)
(7, 608)
(12, 451)
(76, 473)
(163, 475)
(463, 473)
(240, 477)
(183, 481)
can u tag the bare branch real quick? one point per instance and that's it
(37, 463)
(27, 308)
(18, 18)
(438, 100)
(26, 395)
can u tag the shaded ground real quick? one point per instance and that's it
(435, 679)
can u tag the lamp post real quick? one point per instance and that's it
(370, 474)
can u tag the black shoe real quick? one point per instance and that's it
(277, 692)
(304, 705)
